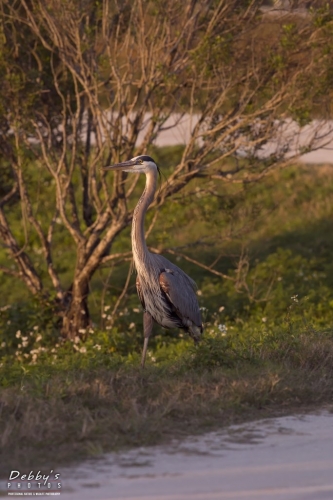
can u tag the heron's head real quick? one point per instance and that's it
(139, 164)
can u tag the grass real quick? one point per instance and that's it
(56, 414)
(268, 346)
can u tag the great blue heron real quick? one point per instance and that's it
(166, 293)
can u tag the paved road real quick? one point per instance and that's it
(289, 458)
(178, 131)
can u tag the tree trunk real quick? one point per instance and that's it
(76, 317)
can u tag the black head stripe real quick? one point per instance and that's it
(145, 158)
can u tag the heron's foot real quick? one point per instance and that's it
(144, 352)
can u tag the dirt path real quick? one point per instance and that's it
(288, 458)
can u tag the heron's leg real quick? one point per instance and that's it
(147, 329)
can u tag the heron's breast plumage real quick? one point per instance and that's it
(155, 302)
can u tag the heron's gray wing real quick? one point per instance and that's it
(180, 293)
(139, 290)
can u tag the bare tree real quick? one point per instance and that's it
(87, 83)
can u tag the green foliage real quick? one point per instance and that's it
(268, 302)
(285, 225)
(32, 319)
(321, 15)
(218, 351)
(282, 277)
(290, 36)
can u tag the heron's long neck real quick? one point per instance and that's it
(139, 247)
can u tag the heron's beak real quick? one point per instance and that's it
(120, 166)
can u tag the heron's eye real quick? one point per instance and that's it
(140, 161)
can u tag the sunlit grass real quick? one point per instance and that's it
(94, 401)
(268, 344)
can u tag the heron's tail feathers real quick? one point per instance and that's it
(195, 332)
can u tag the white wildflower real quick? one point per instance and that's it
(106, 308)
(222, 328)
(83, 349)
(132, 325)
(18, 334)
(221, 309)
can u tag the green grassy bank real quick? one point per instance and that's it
(268, 345)
(86, 405)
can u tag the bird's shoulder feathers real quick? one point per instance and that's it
(179, 291)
